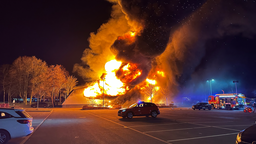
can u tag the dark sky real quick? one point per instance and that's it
(54, 31)
(57, 32)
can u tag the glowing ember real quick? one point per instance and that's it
(129, 37)
(153, 82)
(132, 34)
(161, 73)
(130, 72)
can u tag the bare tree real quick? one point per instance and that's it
(22, 68)
(69, 85)
(38, 77)
(150, 91)
(57, 79)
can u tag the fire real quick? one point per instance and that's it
(110, 83)
(153, 82)
(130, 72)
(112, 65)
(132, 34)
(129, 37)
(161, 73)
(92, 91)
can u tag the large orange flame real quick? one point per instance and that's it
(112, 85)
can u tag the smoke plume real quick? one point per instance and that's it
(175, 34)
(192, 55)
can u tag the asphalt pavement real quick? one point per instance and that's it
(175, 126)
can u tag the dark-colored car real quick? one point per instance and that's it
(247, 136)
(41, 104)
(203, 106)
(139, 109)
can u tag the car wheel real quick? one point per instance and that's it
(203, 109)
(129, 115)
(199, 109)
(4, 137)
(153, 114)
(193, 108)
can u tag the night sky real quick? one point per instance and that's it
(219, 42)
(54, 31)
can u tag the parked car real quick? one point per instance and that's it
(41, 104)
(247, 136)
(203, 106)
(14, 123)
(139, 109)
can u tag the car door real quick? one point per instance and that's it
(138, 109)
(8, 122)
(146, 109)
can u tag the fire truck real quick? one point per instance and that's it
(227, 101)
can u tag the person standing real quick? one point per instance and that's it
(13, 102)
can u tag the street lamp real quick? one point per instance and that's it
(103, 91)
(210, 83)
(235, 85)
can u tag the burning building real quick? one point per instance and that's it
(126, 59)
(149, 49)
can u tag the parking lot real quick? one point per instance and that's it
(182, 126)
(176, 126)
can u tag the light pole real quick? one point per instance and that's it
(210, 83)
(103, 91)
(235, 85)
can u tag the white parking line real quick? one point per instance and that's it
(35, 129)
(200, 137)
(176, 129)
(235, 125)
(207, 122)
(155, 125)
(215, 127)
(226, 128)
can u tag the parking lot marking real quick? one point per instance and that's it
(154, 125)
(209, 122)
(130, 128)
(185, 139)
(35, 129)
(176, 129)
(236, 125)
(226, 128)
(216, 127)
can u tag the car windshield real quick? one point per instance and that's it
(133, 105)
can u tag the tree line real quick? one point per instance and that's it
(29, 77)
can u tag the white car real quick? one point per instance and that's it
(14, 123)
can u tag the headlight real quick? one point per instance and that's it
(239, 135)
(123, 110)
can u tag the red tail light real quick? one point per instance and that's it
(24, 121)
